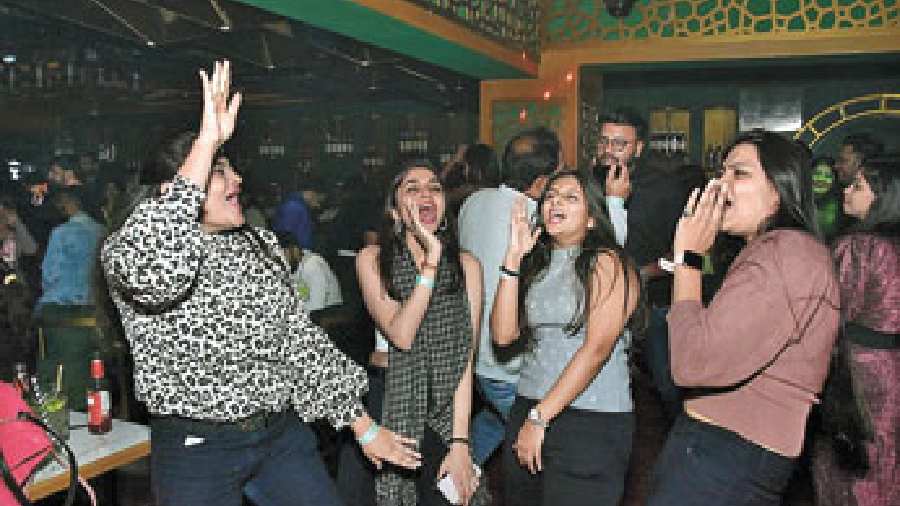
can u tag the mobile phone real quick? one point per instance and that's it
(448, 488)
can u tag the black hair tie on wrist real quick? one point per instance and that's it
(509, 272)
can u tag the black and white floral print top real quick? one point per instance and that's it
(214, 325)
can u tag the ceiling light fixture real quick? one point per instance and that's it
(618, 8)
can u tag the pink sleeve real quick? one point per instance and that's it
(744, 327)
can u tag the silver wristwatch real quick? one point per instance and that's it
(535, 418)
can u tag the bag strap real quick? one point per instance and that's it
(16, 489)
(11, 484)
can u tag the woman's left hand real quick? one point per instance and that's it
(458, 463)
(220, 107)
(702, 219)
(528, 447)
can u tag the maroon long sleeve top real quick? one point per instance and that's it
(761, 350)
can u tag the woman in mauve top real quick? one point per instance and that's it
(756, 357)
(868, 261)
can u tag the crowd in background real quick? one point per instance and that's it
(539, 287)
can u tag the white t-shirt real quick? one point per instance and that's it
(316, 283)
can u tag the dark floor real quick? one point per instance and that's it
(132, 483)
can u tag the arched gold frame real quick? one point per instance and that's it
(840, 113)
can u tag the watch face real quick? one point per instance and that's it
(694, 260)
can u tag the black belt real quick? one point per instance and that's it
(869, 338)
(252, 423)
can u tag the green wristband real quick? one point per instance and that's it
(369, 435)
(425, 281)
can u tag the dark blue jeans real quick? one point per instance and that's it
(192, 465)
(705, 465)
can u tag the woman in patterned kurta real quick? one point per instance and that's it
(868, 263)
(425, 296)
(224, 358)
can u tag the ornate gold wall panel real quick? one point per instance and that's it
(859, 107)
(514, 23)
(574, 22)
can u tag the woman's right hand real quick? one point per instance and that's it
(219, 114)
(394, 448)
(428, 239)
(521, 237)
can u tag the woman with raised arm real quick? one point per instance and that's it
(224, 359)
(757, 355)
(425, 297)
(567, 287)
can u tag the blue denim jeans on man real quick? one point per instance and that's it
(489, 425)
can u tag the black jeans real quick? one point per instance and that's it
(356, 474)
(585, 457)
(705, 465)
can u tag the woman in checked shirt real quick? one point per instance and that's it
(226, 363)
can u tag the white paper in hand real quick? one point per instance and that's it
(446, 486)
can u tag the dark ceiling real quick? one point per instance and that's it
(143, 56)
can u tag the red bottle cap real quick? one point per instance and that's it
(97, 369)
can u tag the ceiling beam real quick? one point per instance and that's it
(409, 30)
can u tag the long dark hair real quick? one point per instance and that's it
(787, 165)
(392, 236)
(883, 217)
(598, 240)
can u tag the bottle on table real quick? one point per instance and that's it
(98, 399)
(22, 382)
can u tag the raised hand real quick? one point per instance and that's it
(701, 220)
(427, 239)
(220, 108)
(521, 237)
(618, 182)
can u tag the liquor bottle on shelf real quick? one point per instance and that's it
(98, 400)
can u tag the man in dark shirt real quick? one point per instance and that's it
(654, 199)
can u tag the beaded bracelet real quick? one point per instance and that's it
(425, 281)
(369, 435)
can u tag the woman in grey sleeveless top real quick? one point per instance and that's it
(568, 290)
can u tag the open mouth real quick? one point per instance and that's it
(428, 213)
(233, 199)
(556, 217)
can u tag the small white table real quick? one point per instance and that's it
(96, 454)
